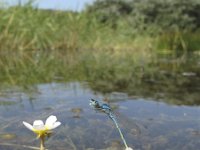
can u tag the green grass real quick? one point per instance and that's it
(27, 28)
(179, 41)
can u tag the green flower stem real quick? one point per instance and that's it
(42, 147)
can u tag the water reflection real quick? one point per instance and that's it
(173, 80)
(146, 124)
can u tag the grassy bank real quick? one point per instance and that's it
(27, 28)
(40, 46)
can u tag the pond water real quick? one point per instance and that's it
(146, 124)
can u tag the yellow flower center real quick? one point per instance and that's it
(41, 133)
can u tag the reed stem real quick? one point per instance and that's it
(118, 128)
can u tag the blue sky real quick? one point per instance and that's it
(76, 5)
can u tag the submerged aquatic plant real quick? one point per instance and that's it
(107, 109)
(43, 130)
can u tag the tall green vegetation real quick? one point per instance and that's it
(170, 24)
(176, 23)
(24, 28)
(162, 15)
(28, 28)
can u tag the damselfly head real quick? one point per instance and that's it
(94, 103)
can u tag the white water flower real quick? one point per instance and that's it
(42, 129)
(128, 148)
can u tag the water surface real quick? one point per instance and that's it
(147, 124)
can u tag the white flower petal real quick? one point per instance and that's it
(38, 125)
(29, 126)
(55, 125)
(50, 120)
